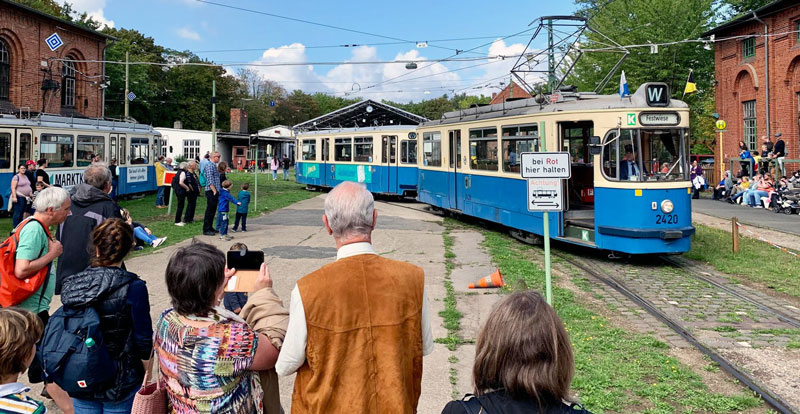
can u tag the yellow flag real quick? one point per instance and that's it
(691, 87)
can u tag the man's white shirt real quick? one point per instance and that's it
(293, 351)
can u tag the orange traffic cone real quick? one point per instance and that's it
(491, 281)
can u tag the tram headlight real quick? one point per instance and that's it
(667, 206)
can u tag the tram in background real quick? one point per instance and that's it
(383, 158)
(629, 189)
(68, 144)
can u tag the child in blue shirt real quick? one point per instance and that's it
(222, 210)
(244, 206)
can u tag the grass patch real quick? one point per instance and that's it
(725, 328)
(272, 195)
(713, 246)
(616, 371)
(450, 314)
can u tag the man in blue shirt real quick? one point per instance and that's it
(212, 194)
(628, 169)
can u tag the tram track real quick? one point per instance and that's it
(594, 268)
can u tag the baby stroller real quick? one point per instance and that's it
(786, 201)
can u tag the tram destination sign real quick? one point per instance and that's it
(545, 165)
(659, 118)
(544, 194)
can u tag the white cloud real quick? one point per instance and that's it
(500, 69)
(188, 33)
(93, 8)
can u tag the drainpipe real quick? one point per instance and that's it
(766, 66)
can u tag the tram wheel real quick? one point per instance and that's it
(525, 237)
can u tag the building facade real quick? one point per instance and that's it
(34, 78)
(757, 73)
(185, 143)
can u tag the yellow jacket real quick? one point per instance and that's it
(160, 173)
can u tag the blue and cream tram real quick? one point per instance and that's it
(629, 189)
(68, 144)
(383, 158)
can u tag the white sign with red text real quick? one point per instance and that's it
(545, 165)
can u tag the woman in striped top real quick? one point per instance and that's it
(208, 355)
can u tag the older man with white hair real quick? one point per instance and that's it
(34, 258)
(358, 327)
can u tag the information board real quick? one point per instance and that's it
(544, 194)
(545, 165)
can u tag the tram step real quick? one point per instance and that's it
(582, 234)
(579, 214)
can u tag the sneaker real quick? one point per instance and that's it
(181, 224)
(244, 231)
(138, 248)
(228, 237)
(222, 237)
(209, 233)
(234, 230)
(159, 242)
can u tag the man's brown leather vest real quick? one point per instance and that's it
(364, 349)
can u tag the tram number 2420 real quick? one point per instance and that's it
(666, 219)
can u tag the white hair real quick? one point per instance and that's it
(183, 165)
(349, 208)
(97, 175)
(50, 197)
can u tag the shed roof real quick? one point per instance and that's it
(367, 113)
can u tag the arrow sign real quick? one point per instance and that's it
(131, 96)
(544, 194)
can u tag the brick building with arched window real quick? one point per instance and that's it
(35, 79)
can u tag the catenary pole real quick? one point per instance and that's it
(213, 115)
(127, 102)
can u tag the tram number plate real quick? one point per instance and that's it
(666, 219)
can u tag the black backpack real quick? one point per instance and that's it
(73, 352)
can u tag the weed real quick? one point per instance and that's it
(725, 328)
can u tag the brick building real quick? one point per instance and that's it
(31, 77)
(512, 91)
(758, 78)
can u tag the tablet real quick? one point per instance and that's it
(247, 264)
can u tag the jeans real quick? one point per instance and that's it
(190, 207)
(114, 183)
(243, 217)
(222, 223)
(142, 235)
(179, 210)
(211, 209)
(19, 211)
(100, 407)
(160, 196)
(285, 173)
(274, 175)
(755, 195)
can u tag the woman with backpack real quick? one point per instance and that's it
(121, 301)
(523, 361)
(185, 186)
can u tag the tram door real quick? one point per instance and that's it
(323, 165)
(455, 178)
(7, 161)
(389, 161)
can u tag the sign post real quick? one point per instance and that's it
(544, 171)
(721, 127)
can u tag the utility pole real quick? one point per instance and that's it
(127, 102)
(551, 57)
(213, 115)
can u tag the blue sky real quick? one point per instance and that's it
(191, 25)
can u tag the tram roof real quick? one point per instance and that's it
(55, 121)
(580, 101)
(362, 114)
(356, 131)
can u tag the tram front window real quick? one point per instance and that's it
(655, 154)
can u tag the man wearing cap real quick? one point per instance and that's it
(363, 317)
(30, 170)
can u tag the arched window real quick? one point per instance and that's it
(68, 83)
(5, 70)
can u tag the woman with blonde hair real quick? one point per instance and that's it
(523, 361)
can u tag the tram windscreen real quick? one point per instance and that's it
(652, 154)
(663, 154)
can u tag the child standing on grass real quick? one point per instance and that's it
(222, 210)
(234, 301)
(19, 331)
(244, 206)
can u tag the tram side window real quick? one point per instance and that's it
(58, 150)
(432, 149)
(25, 145)
(88, 146)
(343, 149)
(309, 150)
(326, 142)
(113, 148)
(363, 149)
(5, 150)
(408, 152)
(516, 140)
(483, 149)
(140, 151)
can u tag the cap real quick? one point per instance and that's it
(30, 162)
